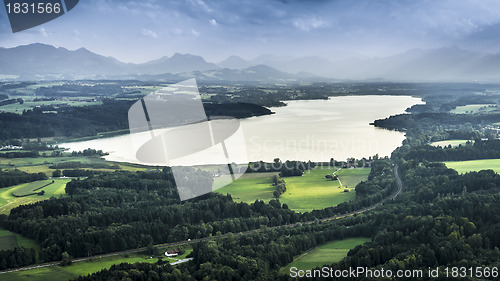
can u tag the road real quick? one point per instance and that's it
(167, 245)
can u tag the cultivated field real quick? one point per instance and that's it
(10, 240)
(351, 177)
(326, 254)
(9, 202)
(29, 103)
(474, 165)
(305, 193)
(475, 108)
(65, 273)
(30, 188)
(250, 187)
(449, 142)
(42, 164)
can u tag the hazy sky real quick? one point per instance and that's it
(138, 31)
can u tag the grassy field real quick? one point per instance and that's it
(29, 103)
(10, 240)
(475, 108)
(31, 187)
(474, 165)
(59, 273)
(42, 164)
(449, 142)
(250, 187)
(311, 191)
(326, 254)
(305, 193)
(351, 177)
(9, 202)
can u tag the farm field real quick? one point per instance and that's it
(30, 188)
(475, 108)
(250, 187)
(42, 164)
(351, 177)
(10, 240)
(29, 103)
(65, 273)
(474, 165)
(308, 192)
(326, 254)
(449, 142)
(9, 202)
(312, 191)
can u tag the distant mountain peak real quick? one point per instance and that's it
(234, 62)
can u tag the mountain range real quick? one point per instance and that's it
(46, 62)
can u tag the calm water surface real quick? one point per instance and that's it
(315, 130)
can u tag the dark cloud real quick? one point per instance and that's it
(219, 28)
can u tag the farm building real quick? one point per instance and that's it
(172, 253)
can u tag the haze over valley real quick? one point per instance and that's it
(452, 64)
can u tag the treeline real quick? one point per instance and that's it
(256, 256)
(78, 90)
(76, 122)
(89, 152)
(78, 164)
(479, 149)
(285, 169)
(425, 120)
(17, 257)
(20, 154)
(15, 177)
(75, 173)
(280, 185)
(237, 110)
(11, 101)
(68, 122)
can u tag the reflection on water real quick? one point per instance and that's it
(304, 130)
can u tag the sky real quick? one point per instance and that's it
(143, 30)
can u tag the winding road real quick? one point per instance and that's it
(167, 245)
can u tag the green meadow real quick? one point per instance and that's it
(326, 254)
(312, 191)
(475, 108)
(42, 164)
(351, 177)
(29, 103)
(250, 187)
(8, 201)
(304, 193)
(70, 272)
(10, 240)
(31, 187)
(474, 165)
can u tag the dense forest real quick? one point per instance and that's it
(15, 177)
(113, 211)
(89, 120)
(441, 219)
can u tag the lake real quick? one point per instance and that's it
(315, 130)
